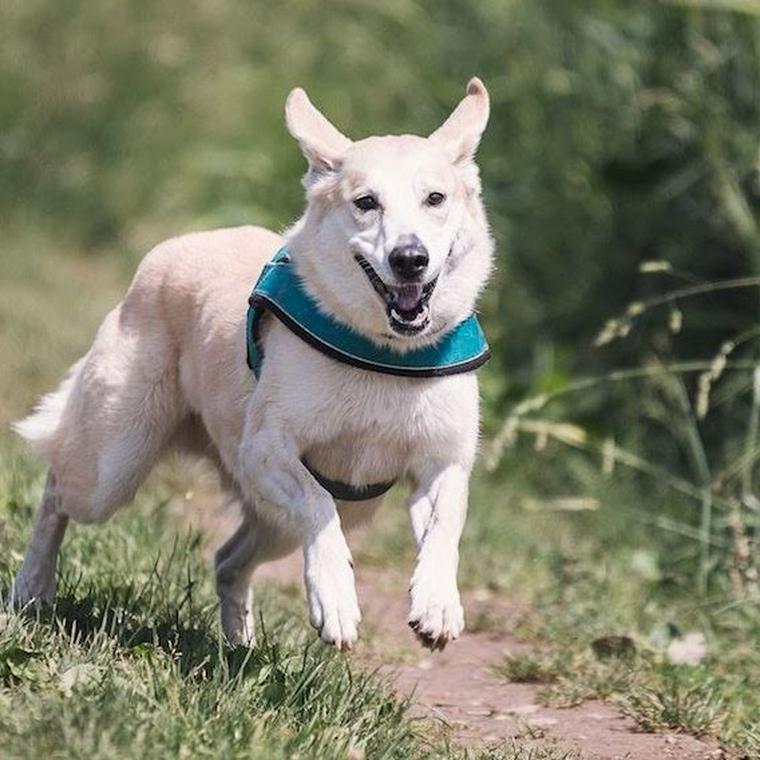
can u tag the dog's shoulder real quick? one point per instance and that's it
(227, 252)
(187, 269)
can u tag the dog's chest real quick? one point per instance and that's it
(364, 427)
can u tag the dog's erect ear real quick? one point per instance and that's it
(322, 144)
(460, 134)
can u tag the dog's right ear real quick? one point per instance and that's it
(322, 144)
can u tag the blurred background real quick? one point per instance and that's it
(624, 137)
(621, 171)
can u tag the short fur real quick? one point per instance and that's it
(167, 368)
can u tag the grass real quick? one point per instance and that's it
(602, 593)
(52, 300)
(587, 580)
(131, 663)
(534, 667)
(683, 701)
(656, 696)
(617, 134)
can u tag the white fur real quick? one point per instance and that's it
(167, 369)
(48, 413)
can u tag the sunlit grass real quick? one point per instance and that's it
(130, 662)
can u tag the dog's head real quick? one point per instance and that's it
(394, 241)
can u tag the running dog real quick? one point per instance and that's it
(390, 255)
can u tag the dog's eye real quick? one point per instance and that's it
(366, 203)
(435, 199)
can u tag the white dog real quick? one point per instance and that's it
(394, 247)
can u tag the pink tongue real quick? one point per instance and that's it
(408, 297)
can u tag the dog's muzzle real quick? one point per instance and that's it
(407, 305)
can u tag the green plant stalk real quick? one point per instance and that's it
(750, 449)
(753, 425)
(701, 464)
(536, 403)
(626, 458)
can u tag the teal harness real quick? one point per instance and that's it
(279, 291)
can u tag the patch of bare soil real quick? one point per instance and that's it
(458, 687)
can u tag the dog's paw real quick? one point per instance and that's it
(331, 593)
(31, 594)
(236, 615)
(436, 615)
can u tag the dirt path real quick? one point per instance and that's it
(458, 687)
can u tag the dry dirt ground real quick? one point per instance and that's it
(458, 687)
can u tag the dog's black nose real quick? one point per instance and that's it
(409, 260)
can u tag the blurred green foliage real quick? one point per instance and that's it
(620, 132)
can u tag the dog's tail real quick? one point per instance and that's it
(41, 427)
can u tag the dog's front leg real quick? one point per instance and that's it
(438, 508)
(291, 495)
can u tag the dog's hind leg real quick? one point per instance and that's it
(101, 432)
(35, 581)
(254, 542)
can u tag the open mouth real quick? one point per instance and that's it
(406, 305)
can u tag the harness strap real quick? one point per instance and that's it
(346, 492)
(279, 291)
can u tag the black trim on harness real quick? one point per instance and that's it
(346, 492)
(454, 369)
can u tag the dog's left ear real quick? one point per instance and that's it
(322, 144)
(460, 134)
